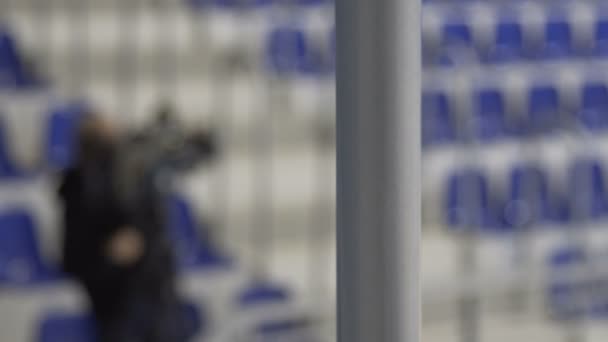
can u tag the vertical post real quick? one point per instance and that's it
(378, 169)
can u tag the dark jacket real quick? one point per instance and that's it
(103, 192)
(92, 214)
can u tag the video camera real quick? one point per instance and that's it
(150, 157)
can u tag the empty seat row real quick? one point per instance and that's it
(15, 73)
(67, 327)
(185, 230)
(61, 120)
(575, 289)
(291, 50)
(492, 116)
(58, 326)
(457, 39)
(249, 4)
(529, 198)
(58, 150)
(21, 262)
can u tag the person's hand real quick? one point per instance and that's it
(125, 247)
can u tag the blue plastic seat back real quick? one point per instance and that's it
(281, 328)
(567, 257)
(467, 201)
(288, 51)
(67, 328)
(60, 327)
(10, 65)
(313, 2)
(509, 44)
(457, 46)
(457, 33)
(262, 293)
(295, 329)
(563, 294)
(20, 258)
(490, 114)
(543, 109)
(193, 320)
(528, 200)
(62, 135)
(594, 107)
(13, 71)
(191, 246)
(183, 226)
(437, 122)
(587, 189)
(510, 33)
(558, 38)
(601, 37)
(231, 4)
(8, 169)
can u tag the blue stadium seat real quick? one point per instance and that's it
(57, 327)
(594, 106)
(313, 2)
(287, 50)
(438, 124)
(599, 306)
(186, 233)
(231, 4)
(20, 260)
(509, 44)
(279, 328)
(569, 299)
(269, 331)
(601, 37)
(567, 256)
(543, 110)
(467, 201)
(456, 33)
(587, 190)
(558, 39)
(13, 71)
(62, 132)
(9, 61)
(61, 327)
(489, 112)
(193, 320)
(262, 293)
(297, 329)
(528, 202)
(457, 45)
(8, 169)
(562, 294)
(59, 141)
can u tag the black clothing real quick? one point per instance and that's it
(134, 303)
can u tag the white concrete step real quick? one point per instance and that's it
(151, 34)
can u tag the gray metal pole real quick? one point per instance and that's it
(378, 142)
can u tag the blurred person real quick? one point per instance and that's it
(152, 156)
(118, 251)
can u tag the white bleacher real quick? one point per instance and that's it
(205, 95)
(192, 44)
(505, 258)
